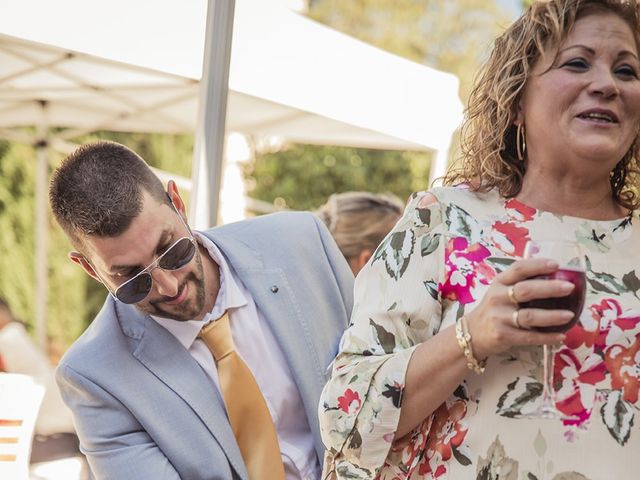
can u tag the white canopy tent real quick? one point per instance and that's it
(135, 66)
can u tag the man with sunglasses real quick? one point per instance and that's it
(152, 393)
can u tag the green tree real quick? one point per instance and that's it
(303, 176)
(453, 36)
(74, 298)
(66, 306)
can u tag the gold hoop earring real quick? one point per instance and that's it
(521, 142)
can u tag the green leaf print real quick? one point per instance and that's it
(500, 263)
(395, 251)
(461, 392)
(417, 324)
(424, 214)
(461, 223)
(432, 288)
(603, 282)
(497, 466)
(519, 393)
(384, 338)
(352, 472)
(540, 444)
(631, 281)
(394, 393)
(429, 244)
(618, 416)
(592, 239)
(355, 440)
(460, 457)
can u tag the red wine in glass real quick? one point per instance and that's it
(571, 261)
(574, 301)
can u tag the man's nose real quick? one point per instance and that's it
(165, 282)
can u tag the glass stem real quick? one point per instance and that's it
(547, 383)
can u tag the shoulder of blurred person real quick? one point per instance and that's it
(20, 354)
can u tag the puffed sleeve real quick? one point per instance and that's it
(397, 306)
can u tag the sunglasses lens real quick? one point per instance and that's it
(135, 290)
(178, 255)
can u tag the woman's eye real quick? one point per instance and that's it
(627, 71)
(577, 63)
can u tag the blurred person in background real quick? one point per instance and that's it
(209, 355)
(55, 436)
(359, 221)
(443, 354)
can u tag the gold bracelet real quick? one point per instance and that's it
(464, 340)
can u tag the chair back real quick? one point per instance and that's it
(20, 399)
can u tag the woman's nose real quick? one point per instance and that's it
(604, 83)
(166, 284)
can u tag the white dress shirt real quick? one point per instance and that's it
(258, 347)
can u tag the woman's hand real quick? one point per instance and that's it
(499, 323)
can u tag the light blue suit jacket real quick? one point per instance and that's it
(145, 409)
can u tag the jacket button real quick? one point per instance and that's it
(274, 288)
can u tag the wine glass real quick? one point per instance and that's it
(571, 261)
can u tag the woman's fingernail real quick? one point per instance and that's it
(567, 286)
(552, 264)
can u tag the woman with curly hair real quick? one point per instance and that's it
(442, 355)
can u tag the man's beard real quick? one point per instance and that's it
(191, 308)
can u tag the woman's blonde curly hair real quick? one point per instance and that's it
(489, 156)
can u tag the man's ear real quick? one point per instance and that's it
(174, 195)
(80, 259)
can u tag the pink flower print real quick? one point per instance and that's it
(575, 384)
(623, 364)
(347, 401)
(519, 211)
(464, 268)
(510, 238)
(605, 326)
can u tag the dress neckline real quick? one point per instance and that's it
(520, 205)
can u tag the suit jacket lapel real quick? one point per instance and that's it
(289, 325)
(167, 359)
(285, 316)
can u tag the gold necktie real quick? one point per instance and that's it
(247, 410)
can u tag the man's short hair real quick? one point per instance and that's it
(98, 190)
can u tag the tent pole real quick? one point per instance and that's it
(41, 264)
(210, 131)
(439, 166)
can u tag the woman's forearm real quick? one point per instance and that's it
(435, 370)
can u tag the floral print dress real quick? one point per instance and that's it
(431, 269)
